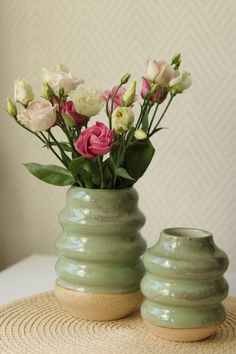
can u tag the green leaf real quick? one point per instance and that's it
(87, 170)
(86, 178)
(64, 145)
(92, 168)
(138, 157)
(109, 168)
(75, 165)
(56, 175)
(121, 172)
(158, 129)
(108, 177)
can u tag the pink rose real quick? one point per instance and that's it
(70, 110)
(96, 140)
(117, 99)
(146, 86)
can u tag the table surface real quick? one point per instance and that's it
(36, 274)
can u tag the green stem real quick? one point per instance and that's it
(143, 109)
(155, 111)
(47, 142)
(146, 106)
(129, 139)
(113, 97)
(112, 104)
(66, 131)
(29, 130)
(120, 155)
(59, 147)
(101, 171)
(107, 108)
(153, 117)
(141, 113)
(44, 140)
(161, 117)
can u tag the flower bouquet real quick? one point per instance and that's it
(100, 246)
(107, 156)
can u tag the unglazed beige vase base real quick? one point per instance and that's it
(98, 307)
(182, 334)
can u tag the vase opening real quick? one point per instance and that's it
(187, 232)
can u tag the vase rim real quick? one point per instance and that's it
(187, 232)
(105, 189)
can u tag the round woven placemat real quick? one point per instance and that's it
(39, 325)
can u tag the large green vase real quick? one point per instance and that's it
(184, 285)
(99, 267)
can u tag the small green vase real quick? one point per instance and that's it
(99, 267)
(184, 285)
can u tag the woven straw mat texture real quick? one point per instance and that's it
(39, 325)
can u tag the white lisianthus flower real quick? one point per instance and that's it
(140, 134)
(23, 92)
(60, 78)
(160, 72)
(122, 119)
(87, 102)
(180, 83)
(39, 115)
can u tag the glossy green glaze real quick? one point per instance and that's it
(100, 247)
(184, 284)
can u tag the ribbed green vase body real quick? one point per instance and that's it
(184, 284)
(100, 246)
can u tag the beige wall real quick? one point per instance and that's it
(192, 178)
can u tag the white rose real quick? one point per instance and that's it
(160, 72)
(180, 83)
(122, 119)
(87, 102)
(60, 77)
(23, 92)
(39, 115)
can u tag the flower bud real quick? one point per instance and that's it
(180, 83)
(69, 121)
(47, 91)
(176, 60)
(11, 107)
(140, 134)
(61, 67)
(60, 77)
(23, 92)
(71, 117)
(129, 95)
(125, 79)
(122, 119)
(153, 89)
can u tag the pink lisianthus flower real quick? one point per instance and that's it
(96, 140)
(146, 87)
(70, 110)
(160, 72)
(117, 99)
(39, 115)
